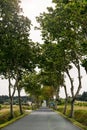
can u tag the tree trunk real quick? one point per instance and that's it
(11, 94)
(57, 93)
(65, 107)
(77, 65)
(66, 100)
(73, 98)
(11, 100)
(11, 108)
(19, 99)
(57, 97)
(37, 101)
(72, 109)
(79, 79)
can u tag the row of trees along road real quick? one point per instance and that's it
(17, 51)
(64, 31)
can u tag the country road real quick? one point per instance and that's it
(42, 119)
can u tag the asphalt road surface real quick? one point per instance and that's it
(42, 119)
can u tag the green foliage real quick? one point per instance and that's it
(16, 48)
(61, 26)
(47, 92)
(64, 25)
(32, 86)
(64, 30)
(17, 51)
(51, 65)
(31, 83)
(82, 97)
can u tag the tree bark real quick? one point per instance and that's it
(77, 65)
(11, 99)
(72, 109)
(11, 108)
(57, 93)
(79, 78)
(19, 99)
(11, 94)
(72, 92)
(66, 100)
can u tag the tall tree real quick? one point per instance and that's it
(32, 86)
(8, 11)
(64, 25)
(16, 50)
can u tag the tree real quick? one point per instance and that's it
(64, 26)
(48, 93)
(32, 86)
(16, 49)
(8, 11)
(82, 97)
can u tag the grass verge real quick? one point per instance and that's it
(80, 115)
(13, 120)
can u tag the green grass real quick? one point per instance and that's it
(81, 116)
(13, 120)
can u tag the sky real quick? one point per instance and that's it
(31, 9)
